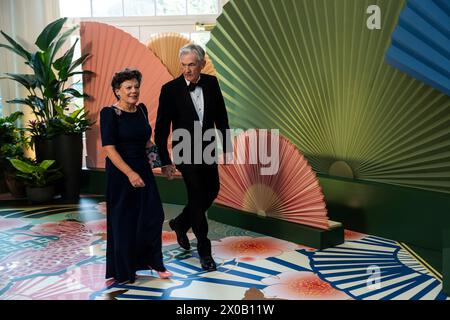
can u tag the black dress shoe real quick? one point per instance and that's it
(182, 238)
(208, 263)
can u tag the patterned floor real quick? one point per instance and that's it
(58, 252)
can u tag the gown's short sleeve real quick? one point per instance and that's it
(108, 126)
(144, 110)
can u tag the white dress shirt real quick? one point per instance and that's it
(197, 99)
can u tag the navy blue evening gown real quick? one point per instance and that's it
(134, 215)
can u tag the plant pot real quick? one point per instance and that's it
(15, 186)
(40, 194)
(67, 150)
(3, 186)
(44, 149)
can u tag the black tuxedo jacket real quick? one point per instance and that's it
(177, 109)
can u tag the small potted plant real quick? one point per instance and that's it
(39, 179)
(12, 145)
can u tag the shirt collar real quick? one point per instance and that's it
(188, 82)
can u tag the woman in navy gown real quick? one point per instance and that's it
(134, 210)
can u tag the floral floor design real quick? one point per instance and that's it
(58, 253)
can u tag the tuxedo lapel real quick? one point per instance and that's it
(187, 99)
(206, 100)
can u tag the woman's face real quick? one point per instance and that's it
(129, 92)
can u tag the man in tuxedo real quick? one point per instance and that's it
(189, 103)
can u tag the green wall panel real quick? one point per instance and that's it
(446, 261)
(404, 214)
(314, 70)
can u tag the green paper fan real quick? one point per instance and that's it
(313, 69)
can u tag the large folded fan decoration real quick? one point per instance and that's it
(314, 70)
(292, 194)
(166, 46)
(112, 50)
(421, 43)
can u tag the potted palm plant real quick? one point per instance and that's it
(39, 178)
(55, 134)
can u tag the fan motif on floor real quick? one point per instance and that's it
(112, 50)
(292, 194)
(166, 46)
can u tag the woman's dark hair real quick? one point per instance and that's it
(122, 76)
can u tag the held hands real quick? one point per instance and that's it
(135, 180)
(168, 171)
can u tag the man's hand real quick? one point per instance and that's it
(168, 171)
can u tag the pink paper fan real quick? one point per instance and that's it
(113, 50)
(292, 193)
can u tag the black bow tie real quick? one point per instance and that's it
(192, 86)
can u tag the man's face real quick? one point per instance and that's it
(190, 67)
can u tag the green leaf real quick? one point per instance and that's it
(52, 89)
(25, 177)
(60, 111)
(70, 120)
(38, 102)
(22, 166)
(27, 80)
(14, 116)
(49, 34)
(74, 92)
(16, 47)
(79, 61)
(62, 40)
(76, 113)
(44, 74)
(65, 61)
(21, 101)
(38, 67)
(84, 72)
(46, 164)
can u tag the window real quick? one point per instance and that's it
(170, 7)
(110, 8)
(202, 7)
(139, 7)
(70, 8)
(130, 8)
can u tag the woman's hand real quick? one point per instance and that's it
(135, 180)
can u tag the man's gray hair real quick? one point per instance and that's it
(195, 49)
